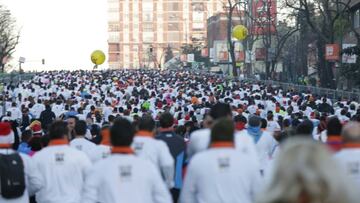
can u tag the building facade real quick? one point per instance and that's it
(140, 30)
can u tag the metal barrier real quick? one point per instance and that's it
(329, 93)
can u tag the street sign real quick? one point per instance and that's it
(190, 58)
(212, 53)
(22, 60)
(332, 52)
(348, 58)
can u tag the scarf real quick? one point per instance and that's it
(255, 133)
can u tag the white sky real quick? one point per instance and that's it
(63, 32)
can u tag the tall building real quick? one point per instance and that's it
(140, 30)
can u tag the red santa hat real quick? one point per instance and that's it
(6, 133)
(36, 127)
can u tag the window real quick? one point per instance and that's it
(114, 16)
(148, 27)
(173, 16)
(148, 37)
(357, 19)
(114, 47)
(148, 17)
(114, 37)
(114, 5)
(173, 6)
(173, 27)
(114, 27)
(173, 36)
(147, 6)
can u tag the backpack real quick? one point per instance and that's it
(12, 176)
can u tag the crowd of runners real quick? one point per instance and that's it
(144, 136)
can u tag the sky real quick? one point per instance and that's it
(63, 32)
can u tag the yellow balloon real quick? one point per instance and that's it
(98, 57)
(240, 32)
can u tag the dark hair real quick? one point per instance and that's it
(122, 132)
(223, 130)
(305, 128)
(263, 123)
(334, 126)
(220, 110)
(80, 127)
(146, 123)
(166, 120)
(58, 130)
(240, 118)
(111, 118)
(74, 117)
(26, 135)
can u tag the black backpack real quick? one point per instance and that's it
(12, 176)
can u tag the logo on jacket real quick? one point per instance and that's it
(354, 168)
(125, 172)
(138, 146)
(224, 163)
(59, 158)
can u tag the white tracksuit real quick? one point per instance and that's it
(63, 171)
(89, 148)
(221, 175)
(200, 140)
(264, 147)
(349, 160)
(33, 179)
(125, 178)
(158, 153)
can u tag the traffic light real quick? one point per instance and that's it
(151, 49)
(43, 61)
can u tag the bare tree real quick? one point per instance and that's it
(322, 17)
(9, 37)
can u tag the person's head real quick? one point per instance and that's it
(222, 131)
(334, 126)
(221, 110)
(122, 132)
(58, 130)
(305, 128)
(306, 172)
(80, 128)
(47, 107)
(111, 119)
(71, 121)
(146, 123)
(166, 120)
(254, 121)
(351, 133)
(26, 135)
(6, 133)
(240, 122)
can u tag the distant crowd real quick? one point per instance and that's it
(145, 136)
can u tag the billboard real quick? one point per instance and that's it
(260, 54)
(240, 56)
(348, 58)
(332, 52)
(265, 13)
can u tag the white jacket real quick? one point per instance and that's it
(37, 109)
(200, 140)
(63, 170)
(125, 178)
(349, 160)
(104, 151)
(264, 147)
(33, 179)
(89, 148)
(221, 175)
(157, 152)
